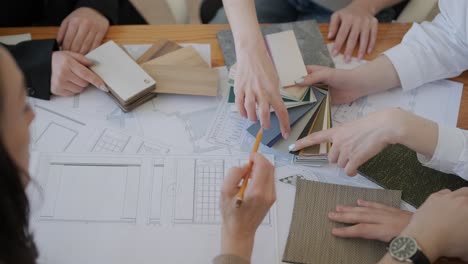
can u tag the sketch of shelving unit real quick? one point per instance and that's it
(156, 199)
(198, 190)
(54, 131)
(73, 191)
(111, 141)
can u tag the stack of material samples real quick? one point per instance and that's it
(308, 108)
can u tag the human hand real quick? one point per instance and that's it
(70, 74)
(356, 142)
(370, 220)
(356, 21)
(83, 30)
(439, 225)
(256, 82)
(240, 224)
(343, 85)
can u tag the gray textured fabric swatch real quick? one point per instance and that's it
(310, 240)
(309, 38)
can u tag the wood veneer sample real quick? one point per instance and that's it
(126, 80)
(187, 56)
(175, 79)
(159, 48)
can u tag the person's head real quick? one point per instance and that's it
(16, 243)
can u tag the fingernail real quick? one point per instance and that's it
(334, 52)
(300, 80)
(348, 58)
(103, 88)
(329, 34)
(94, 62)
(331, 214)
(369, 51)
(292, 147)
(360, 56)
(286, 135)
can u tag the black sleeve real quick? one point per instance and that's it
(35, 60)
(108, 8)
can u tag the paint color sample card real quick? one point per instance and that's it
(125, 78)
(310, 239)
(273, 134)
(286, 56)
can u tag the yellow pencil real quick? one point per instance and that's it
(240, 194)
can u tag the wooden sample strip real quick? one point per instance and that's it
(286, 56)
(126, 80)
(174, 79)
(187, 56)
(159, 48)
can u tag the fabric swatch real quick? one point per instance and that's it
(309, 38)
(310, 240)
(398, 167)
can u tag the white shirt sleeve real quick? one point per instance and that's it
(451, 153)
(433, 50)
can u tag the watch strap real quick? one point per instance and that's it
(420, 258)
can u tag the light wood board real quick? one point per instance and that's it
(159, 48)
(187, 56)
(175, 79)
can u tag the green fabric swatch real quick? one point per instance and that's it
(398, 168)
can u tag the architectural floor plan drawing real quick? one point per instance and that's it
(155, 205)
(141, 187)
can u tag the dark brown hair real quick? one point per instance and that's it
(16, 241)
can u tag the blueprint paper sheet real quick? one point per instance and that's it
(135, 209)
(90, 128)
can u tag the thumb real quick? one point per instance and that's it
(316, 74)
(81, 59)
(231, 182)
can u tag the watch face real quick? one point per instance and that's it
(403, 248)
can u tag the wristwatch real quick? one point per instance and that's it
(406, 249)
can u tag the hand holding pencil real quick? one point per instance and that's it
(240, 223)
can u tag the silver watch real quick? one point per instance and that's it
(406, 249)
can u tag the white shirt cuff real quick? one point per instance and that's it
(450, 145)
(406, 66)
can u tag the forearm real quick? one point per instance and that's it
(237, 245)
(427, 243)
(418, 134)
(375, 6)
(35, 59)
(373, 77)
(244, 23)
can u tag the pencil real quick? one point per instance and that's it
(240, 194)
